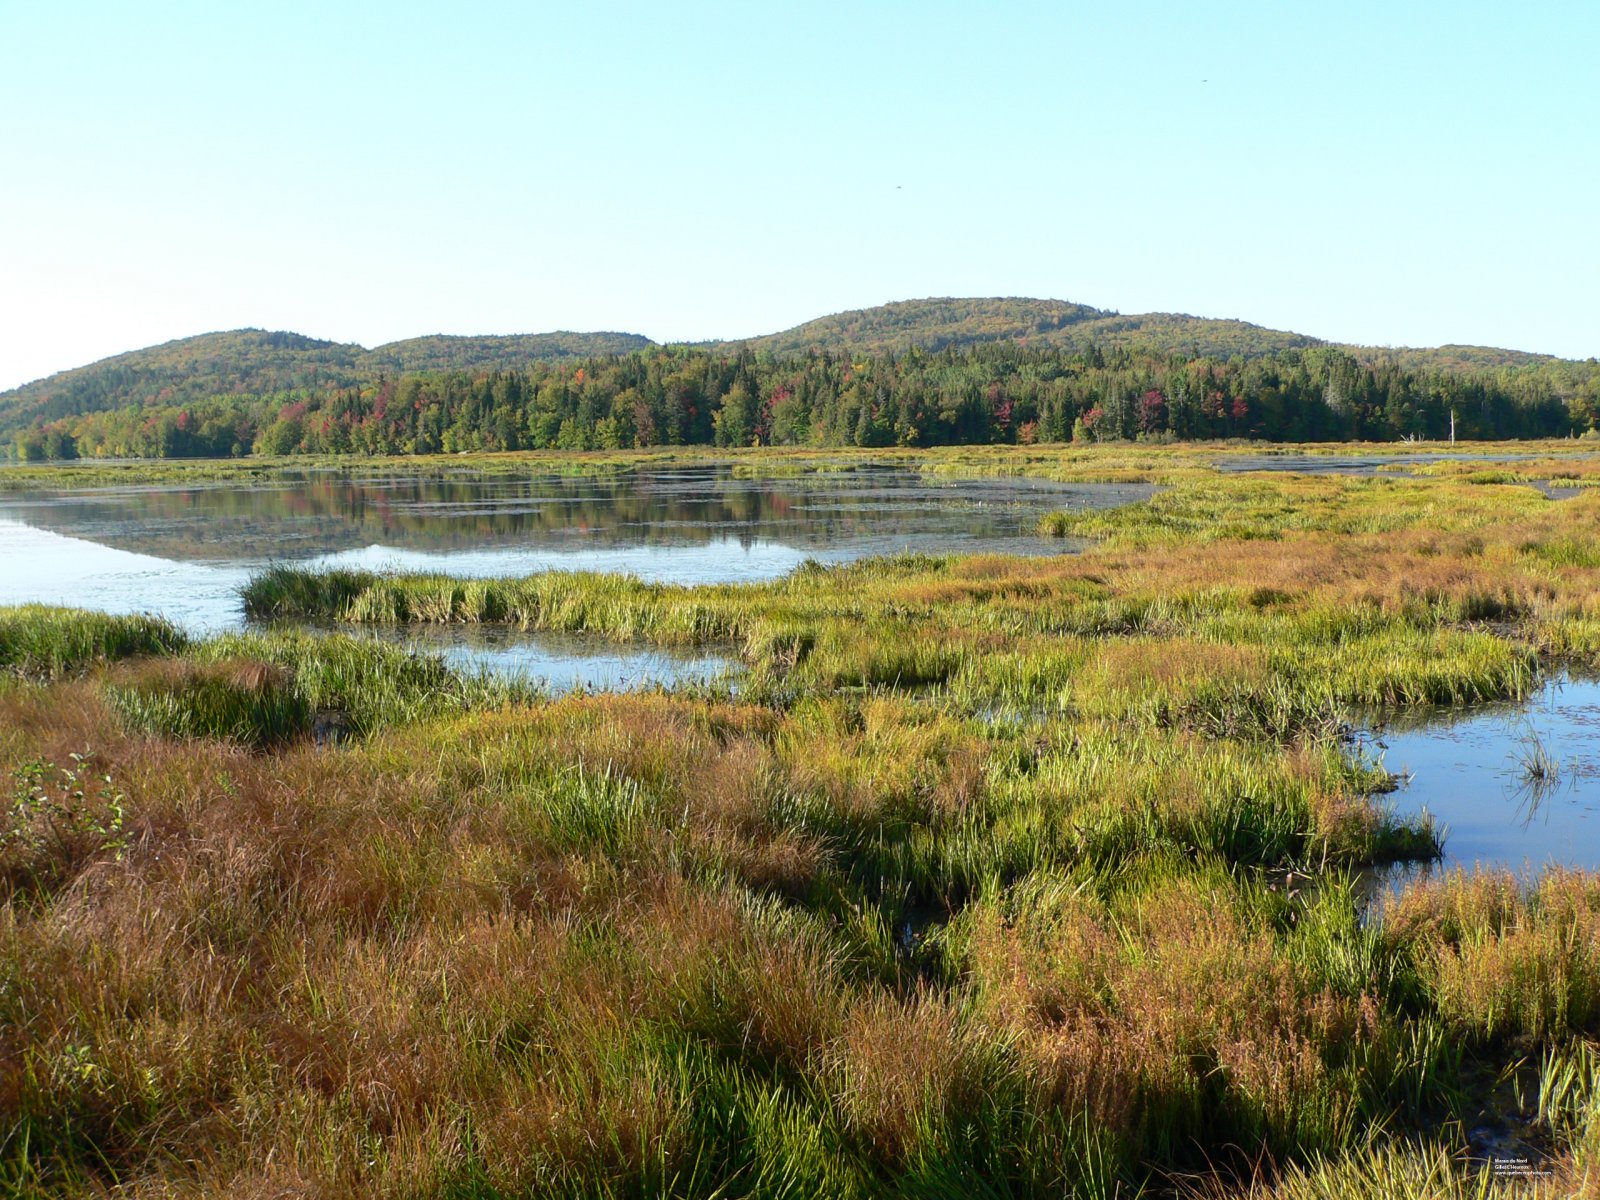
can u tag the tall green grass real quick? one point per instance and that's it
(1390, 1169)
(368, 684)
(1500, 959)
(262, 689)
(42, 641)
(283, 592)
(236, 700)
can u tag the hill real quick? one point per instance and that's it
(447, 352)
(1458, 359)
(256, 362)
(935, 324)
(262, 371)
(189, 369)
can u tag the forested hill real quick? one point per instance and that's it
(444, 352)
(255, 362)
(919, 372)
(937, 323)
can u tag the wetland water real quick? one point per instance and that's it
(1352, 464)
(1515, 785)
(1398, 465)
(183, 552)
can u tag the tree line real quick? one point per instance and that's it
(998, 392)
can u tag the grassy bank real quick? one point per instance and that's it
(994, 877)
(40, 641)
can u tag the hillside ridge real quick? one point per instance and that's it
(936, 323)
(255, 361)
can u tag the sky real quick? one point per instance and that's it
(1382, 173)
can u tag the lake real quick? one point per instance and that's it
(184, 551)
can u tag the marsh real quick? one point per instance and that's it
(499, 940)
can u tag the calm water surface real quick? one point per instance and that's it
(1470, 770)
(561, 661)
(1369, 464)
(185, 551)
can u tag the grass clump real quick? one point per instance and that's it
(281, 592)
(1569, 1092)
(1415, 1170)
(1172, 1009)
(366, 684)
(236, 699)
(265, 689)
(45, 642)
(1500, 959)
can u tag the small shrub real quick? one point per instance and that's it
(59, 818)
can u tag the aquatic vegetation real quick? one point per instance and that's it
(1276, 635)
(283, 592)
(991, 876)
(1539, 769)
(40, 641)
(1569, 1102)
(241, 700)
(363, 683)
(1501, 959)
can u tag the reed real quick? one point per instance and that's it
(1415, 1169)
(284, 592)
(240, 700)
(367, 684)
(44, 642)
(1500, 959)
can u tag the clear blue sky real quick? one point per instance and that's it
(1386, 173)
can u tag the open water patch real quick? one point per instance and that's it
(560, 662)
(1301, 463)
(1394, 466)
(184, 551)
(1513, 786)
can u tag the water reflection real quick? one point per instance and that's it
(864, 510)
(185, 551)
(563, 662)
(1395, 466)
(1515, 786)
(50, 568)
